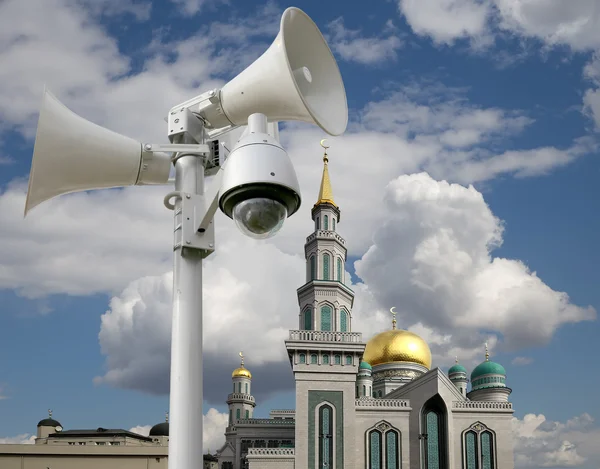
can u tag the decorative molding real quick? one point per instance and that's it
(266, 422)
(325, 336)
(373, 402)
(271, 451)
(410, 374)
(487, 405)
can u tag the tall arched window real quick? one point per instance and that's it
(343, 321)
(434, 426)
(340, 270)
(487, 451)
(302, 358)
(325, 359)
(392, 455)
(246, 388)
(325, 437)
(313, 359)
(308, 319)
(471, 450)
(313, 268)
(325, 318)
(239, 387)
(479, 444)
(317, 223)
(383, 444)
(237, 414)
(230, 416)
(247, 414)
(325, 266)
(364, 390)
(325, 222)
(333, 223)
(375, 453)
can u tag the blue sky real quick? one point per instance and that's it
(466, 179)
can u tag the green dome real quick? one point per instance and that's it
(457, 369)
(364, 366)
(487, 368)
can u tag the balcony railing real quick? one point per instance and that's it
(324, 336)
(271, 451)
(488, 405)
(371, 402)
(239, 395)
(265, 422)
(325, 234)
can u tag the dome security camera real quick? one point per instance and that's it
(260, 188)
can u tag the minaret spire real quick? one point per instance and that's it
(325, 192)
(487, 353)
(394, 317)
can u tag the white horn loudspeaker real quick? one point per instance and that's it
(297, 78)
(72, 154)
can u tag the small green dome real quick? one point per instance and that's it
(457, 369)
(364, 366)
(487, 368)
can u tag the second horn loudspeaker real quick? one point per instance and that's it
(297, 78)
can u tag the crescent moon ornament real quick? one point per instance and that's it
(392, 310)
(323, 144)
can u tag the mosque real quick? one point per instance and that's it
(374, 405)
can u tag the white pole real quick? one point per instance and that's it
(185, 418)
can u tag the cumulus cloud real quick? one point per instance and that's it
(433, 259)
(540, 442)
(353, 46)
(522, 361)
(214, 423)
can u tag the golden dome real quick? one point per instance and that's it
(241, 372)
(397, 346)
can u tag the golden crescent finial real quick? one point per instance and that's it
(323, 144)
(487, 353)
(325, 157)
(241, 354)
(394, 317)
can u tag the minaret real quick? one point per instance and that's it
(241, 402)
(325, 301)
(458, 375)
(324, 353)
(364, 381)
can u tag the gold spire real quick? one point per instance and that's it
(325, 192)
(394, 318)
(487, 353)
(241, 354)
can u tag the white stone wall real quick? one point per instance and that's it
(271, 458)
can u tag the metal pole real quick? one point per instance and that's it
(185, 427)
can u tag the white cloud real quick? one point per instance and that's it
(433, 259)
(522, 361)
(214, 423)
(543, 443)
(352, 46)
(23, 439)
(446, 20)
(193, 7)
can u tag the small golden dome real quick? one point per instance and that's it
(397, 346)
(241, 372)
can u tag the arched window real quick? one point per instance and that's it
(233, 387)
(340, 271)
(325, 266)
(302, 358)
(348, 359)
(343, 321)
(333, 223)
(318, 223)
(230, 416)
(383, 444)
(313, 359)
(364, 390)
(325, 359)
(392, 455)
(325, 436)
(478, 443)
(325, 222)
(375, 453)
(326, 318)
(307, 319)
(487, 451)
(434, 426)
(313, 268)
(246, 388)
(247, 414)
(240, 387)
(237, 414)
(337, 359)
(471, 450)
